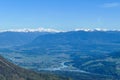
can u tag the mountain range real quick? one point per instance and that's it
(81, 52)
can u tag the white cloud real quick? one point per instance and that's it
(110, 5)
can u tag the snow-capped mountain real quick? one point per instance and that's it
(31, 30)
(96, 29)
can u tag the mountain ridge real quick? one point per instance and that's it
(55, 30)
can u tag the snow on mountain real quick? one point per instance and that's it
(96, 29)
(31, 30)
(54, 30)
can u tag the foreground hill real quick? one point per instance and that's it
(9, 71)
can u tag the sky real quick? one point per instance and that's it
(60, 14)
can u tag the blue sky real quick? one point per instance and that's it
(60, 14)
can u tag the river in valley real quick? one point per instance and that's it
(63, 67)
